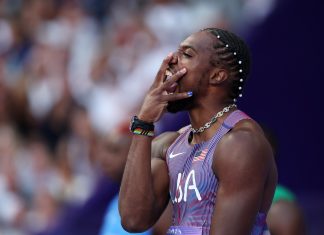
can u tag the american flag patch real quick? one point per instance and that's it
(200, 156)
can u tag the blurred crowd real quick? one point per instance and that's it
(72, 73)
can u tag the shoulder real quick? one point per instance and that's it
(245, 134)
(162, 142)
(245, 149)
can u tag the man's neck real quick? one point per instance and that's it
(201, 115)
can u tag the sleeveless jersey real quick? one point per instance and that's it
(193, 184)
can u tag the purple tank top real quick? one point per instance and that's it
(193, 184)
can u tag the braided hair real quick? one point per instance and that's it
(233, 54)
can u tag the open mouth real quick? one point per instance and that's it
(168, 74)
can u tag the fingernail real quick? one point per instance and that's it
(183, 70)
(189, 93)
(170, 54)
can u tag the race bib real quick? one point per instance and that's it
(184, 230)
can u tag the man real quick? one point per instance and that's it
(285, 216)
(219, 172)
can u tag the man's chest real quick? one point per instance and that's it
(190, 174)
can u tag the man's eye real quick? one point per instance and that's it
(187, 55)
(184, 53)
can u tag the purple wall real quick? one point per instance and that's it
(285, 92)
(285, 89)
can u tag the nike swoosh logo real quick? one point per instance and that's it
(174, 155)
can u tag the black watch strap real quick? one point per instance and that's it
(139, 127)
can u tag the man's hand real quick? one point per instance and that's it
(157, 99)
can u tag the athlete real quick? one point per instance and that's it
(219, 172)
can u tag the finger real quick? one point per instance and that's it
(177, 96)
(173, 79)
(165, 64)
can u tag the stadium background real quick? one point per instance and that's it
(73, 72)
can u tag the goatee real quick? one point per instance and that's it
(180, 105)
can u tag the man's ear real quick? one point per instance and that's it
(218, 76)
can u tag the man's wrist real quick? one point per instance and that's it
(141, 127)
(144, 119)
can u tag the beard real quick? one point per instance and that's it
(180, 105)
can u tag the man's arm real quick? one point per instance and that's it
(144, 191)
(242, 164)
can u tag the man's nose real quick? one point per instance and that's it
(174, 59)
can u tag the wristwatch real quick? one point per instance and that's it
(139, 127)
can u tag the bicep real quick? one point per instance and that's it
(237, 203)
(160, 183)
(159, 168)
(242, 173)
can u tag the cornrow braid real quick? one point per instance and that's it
(233, 54)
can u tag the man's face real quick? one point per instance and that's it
(194, 54)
